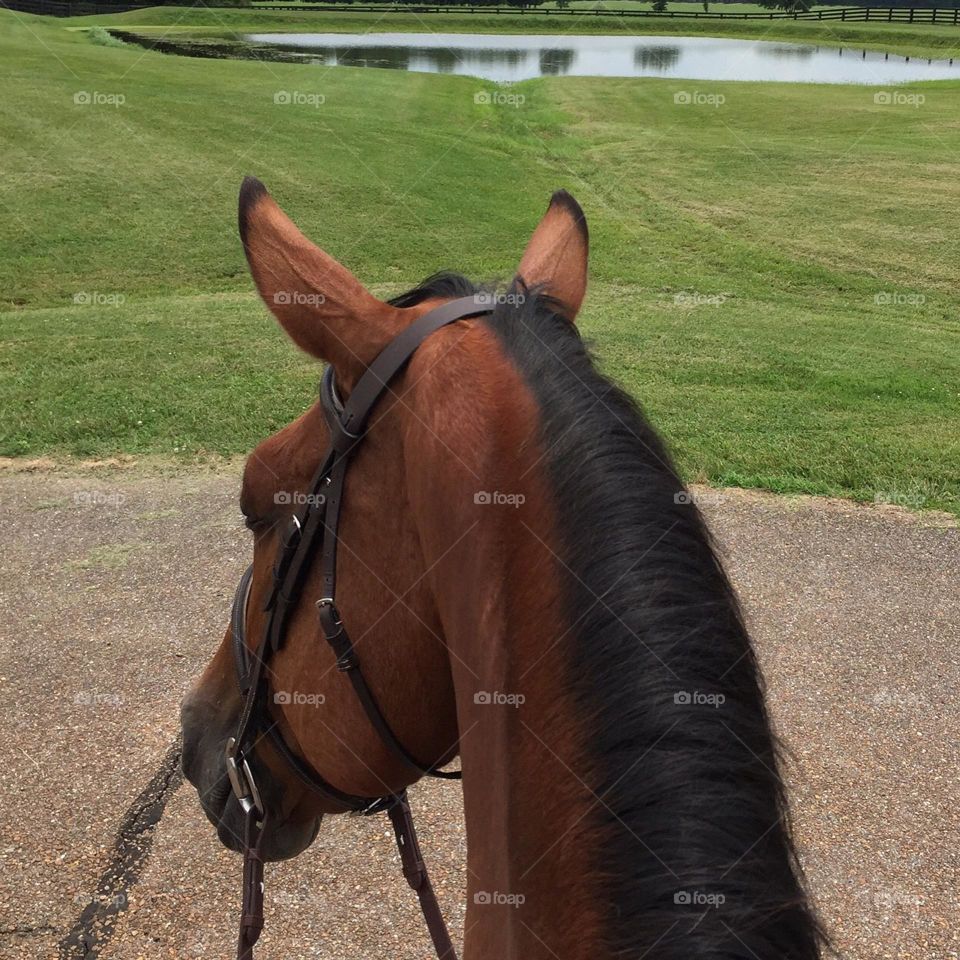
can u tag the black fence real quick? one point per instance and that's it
(60, 8)
(950, 15)
(851, 14)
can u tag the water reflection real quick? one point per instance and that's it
(396, 58)
(556, 62)
(656, 59)
(511, 58)
(428, 60)
(783, 50)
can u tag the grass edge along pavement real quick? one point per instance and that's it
(782, 330)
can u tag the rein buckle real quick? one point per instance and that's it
(330, 620)
(241, 780)
(336, 635)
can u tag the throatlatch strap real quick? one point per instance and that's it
(339, 639)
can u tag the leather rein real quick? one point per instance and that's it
(312, 531)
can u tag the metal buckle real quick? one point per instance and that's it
(377, 806)
(329, 618)
(291, 537)
(336, 636)
(241, 780)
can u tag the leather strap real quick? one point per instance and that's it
(251, 916)
(415, 871)
(339, 639)
(348, 422)
(393, 358)
(238, 630)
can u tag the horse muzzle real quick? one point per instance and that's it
(204, 764)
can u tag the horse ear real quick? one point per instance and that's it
(321, 305)
(556, 256)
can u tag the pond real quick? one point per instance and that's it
(511, 58)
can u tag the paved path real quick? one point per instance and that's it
(115, 585)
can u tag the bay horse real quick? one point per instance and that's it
(531, 588)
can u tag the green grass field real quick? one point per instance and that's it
(775, 278)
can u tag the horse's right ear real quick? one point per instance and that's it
(322, 306)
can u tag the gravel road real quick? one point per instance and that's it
(115, 588)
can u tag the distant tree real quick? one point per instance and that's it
(659, 5)
(790, 5)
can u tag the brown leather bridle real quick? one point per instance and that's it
(314, 529)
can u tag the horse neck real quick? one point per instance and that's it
(496, 578)
(530, 892)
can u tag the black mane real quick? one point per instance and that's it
(693, 804)
(445, 284)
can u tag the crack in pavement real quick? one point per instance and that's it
(95, 925)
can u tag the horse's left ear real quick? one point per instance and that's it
(321, 305)
(556, 256)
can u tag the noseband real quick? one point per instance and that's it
(312, 532)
